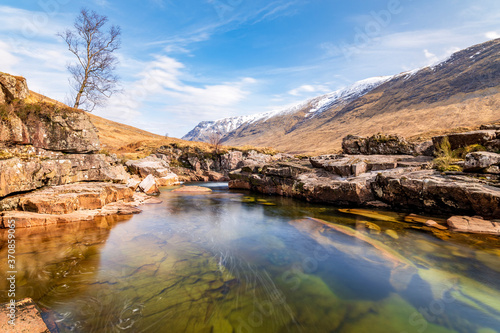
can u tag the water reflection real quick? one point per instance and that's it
(238, 262)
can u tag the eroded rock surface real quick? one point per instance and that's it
(70, 203)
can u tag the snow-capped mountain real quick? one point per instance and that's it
(315, 105)
(462, 90)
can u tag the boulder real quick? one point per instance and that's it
(461, 140)
(148, 185)
(170, 179)
(150, 165)
(473, 225)
(481, 160)
(380, 144)
(12, 87)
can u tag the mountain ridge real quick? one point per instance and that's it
(462, 90)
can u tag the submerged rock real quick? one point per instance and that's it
(192, 189)
(28, 318)
(473, 225)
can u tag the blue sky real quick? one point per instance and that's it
(182, 62)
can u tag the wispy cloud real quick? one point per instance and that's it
(161, 83)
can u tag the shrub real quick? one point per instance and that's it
(445, 157)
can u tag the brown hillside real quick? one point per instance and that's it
(462, 91)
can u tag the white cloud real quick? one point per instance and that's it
(492, 35)
(161, 83)
(307, 88)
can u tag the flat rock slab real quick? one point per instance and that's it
(192, 189)
(28, 318)
(473, 225)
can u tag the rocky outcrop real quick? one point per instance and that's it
(432, 192)
(12, 87)
(45, 144)
(348, 165)
(487, 138)
(48, 127)
(27, 168)
(381, 144)
(398, 182)
(70, 203)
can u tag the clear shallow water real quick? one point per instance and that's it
(239, 262)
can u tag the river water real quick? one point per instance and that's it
(233, 261)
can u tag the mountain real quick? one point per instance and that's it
(463, 90)
(315, 106)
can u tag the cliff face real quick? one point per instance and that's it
(47, 144)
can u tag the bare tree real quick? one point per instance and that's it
(92, 76)
(215, 139)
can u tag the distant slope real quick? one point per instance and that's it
(314, 106)
(464, 90)
(115, 135)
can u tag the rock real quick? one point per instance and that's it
(150, 165)
(461, 140)
(391, 233)
(72, 203)
(170, 179)
(490, 127)
(481, 160)
(355, 165)
(28, 317)
(473, 225)
(434, 224)
(192, 189)
(21, 174)
(230, 160)
(65, 130)
(432, 192)
(12, 87)
(380, 144)
(148, 185)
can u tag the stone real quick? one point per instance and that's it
(28, 317)
(21, 174)
(473, 225)
(434, 224)
(170, 179)
(150, 165)
(12, 87)
(381, 144)
(481, 160)
(355, 165)
(192, 189)
(429, 191)
(148, 185)
(461, 140)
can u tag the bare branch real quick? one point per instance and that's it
(92, 75)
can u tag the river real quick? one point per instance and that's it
(234, 261)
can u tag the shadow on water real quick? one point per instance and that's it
(232, 261)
